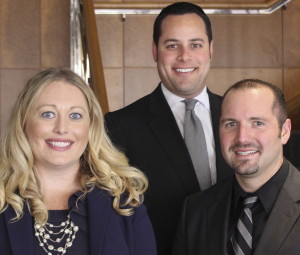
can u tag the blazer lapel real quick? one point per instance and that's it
(20, 232)
(98, 202)
(164, 127)
(218, 215)
(283, 216)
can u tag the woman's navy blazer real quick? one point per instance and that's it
(109, 233)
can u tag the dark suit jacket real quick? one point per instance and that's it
(204, 224)
(148, 134)
(109, 233)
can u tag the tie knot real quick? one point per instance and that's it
(249, 201)
(190, 103)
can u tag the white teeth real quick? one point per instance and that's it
(180, 70)
(60, 144)
(244, 153)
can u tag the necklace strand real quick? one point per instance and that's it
(49, 239)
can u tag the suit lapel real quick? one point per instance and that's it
(164, 127)
(223, 170)
(215, 105)
(98, 202)
(283, 216)
(20, 232)
(218, 216)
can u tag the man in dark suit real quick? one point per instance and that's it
(253, 129)
(150, 131)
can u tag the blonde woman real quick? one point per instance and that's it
(64, 188)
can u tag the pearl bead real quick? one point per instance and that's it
(60, 249)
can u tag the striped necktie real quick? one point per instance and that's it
(242, 236)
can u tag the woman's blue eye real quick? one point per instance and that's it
(75, 116)
(48, 115)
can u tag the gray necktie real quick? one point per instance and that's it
(195, 141)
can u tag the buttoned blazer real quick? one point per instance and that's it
(204, 223)
(148, 134)
(109, 233)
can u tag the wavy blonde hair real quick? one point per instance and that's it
(102, 165)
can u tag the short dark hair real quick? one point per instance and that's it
(279, 104)
(180, 8)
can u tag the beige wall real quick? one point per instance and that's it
(34, 35)
(266, 47)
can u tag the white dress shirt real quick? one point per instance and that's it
(202, 110)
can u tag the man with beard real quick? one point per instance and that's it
(257, 210)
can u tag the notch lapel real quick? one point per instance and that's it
(165, 129)
(223, 169)
(20, 232)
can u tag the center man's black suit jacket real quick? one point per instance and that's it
(148, 134)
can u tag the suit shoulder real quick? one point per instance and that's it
(214, 97)
(129, 116)
(292, 182)
(134, 107)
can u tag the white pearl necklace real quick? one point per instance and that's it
(50, 235)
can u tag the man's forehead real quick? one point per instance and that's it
(258, 99)
(251, 92)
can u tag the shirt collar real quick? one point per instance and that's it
(173, 99)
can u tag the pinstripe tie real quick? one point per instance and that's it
(194, 138)
(242, 236)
